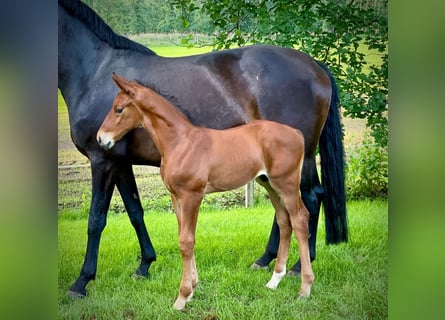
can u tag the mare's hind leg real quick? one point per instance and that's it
(274, 238)
(271, 248)
(103, 174)
(126, 184)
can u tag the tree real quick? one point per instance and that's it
(140, 12)
(349, 36)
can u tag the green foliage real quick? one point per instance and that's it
(340, 33)
(142, 16)
(367, 171)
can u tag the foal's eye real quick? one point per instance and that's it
(119, 110)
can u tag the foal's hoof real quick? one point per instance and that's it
(75, 295)
(179, 305)
(256, 266)
(294, 273)
(181, 301)
(303, 297)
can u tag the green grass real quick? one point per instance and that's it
(177, 51)
(350, 283)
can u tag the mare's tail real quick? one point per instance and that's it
(332, 170)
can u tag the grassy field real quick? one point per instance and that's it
(351, 279)
(174, 51)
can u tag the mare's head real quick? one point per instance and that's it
(124, 114)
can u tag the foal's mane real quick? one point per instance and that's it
(170, 98)
(100, 28)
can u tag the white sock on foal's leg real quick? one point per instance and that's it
(276, 278)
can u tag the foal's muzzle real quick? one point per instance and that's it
(105, 142)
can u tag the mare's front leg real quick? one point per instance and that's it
(103, 174)
(126, 184)
(187, 208)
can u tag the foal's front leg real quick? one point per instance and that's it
(187, 208)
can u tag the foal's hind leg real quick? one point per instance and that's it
(312, 195)
(285, 231)
(299, 217)
(283, 248)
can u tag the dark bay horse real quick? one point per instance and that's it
(199, 160)
(217, 90)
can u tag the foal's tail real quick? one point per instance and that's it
(332, 170)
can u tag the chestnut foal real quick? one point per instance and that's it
(197, 160)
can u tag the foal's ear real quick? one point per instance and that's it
(125, 85)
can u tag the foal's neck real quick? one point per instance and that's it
(164, 122)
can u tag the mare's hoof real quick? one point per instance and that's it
(75, 295)
(256, 266)
(138, 276)
(141, 274)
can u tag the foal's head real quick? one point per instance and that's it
(123, 116)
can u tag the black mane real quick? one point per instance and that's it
(100, 28)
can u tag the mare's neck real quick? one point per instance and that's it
(79, 50)
(88, 49)
(164, 122)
